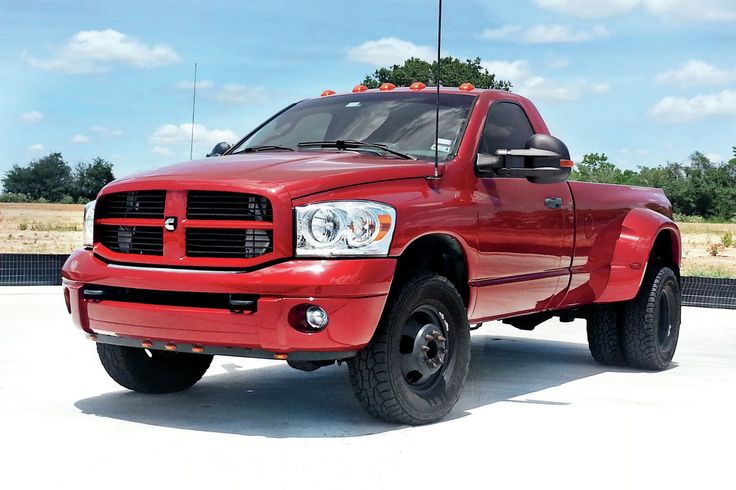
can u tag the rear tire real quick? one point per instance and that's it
(414, 369)
(605, 336)
(651, 321)
(152, 371)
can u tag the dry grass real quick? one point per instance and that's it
(57, 228)
(697, 240)
(40, 228)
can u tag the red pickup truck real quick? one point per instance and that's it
(331, 234)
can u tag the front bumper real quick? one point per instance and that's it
(352, 291)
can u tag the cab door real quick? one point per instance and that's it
(525, 229)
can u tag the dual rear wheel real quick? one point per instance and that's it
(642, 332)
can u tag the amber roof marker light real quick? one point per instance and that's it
(467, 87)
(359, 88)
(387, 86)
(327, 93)
(417, 86)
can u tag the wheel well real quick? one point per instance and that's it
(664, 251)
(441, 254)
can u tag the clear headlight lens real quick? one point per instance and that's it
(89, 224)
(344, 228)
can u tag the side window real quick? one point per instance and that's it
(507, 127)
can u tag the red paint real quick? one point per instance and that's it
(520, 255)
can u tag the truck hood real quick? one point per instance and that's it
(301, 173)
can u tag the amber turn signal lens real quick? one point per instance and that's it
(147, 344)
(387, 86)
(360, 88)
(326, 93)
(170, 347)
(280, 357)
(198, 349)
(567, 163)
(417, 86)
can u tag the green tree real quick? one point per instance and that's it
(595, 167)
(89, 178)
(454, 72)
(49, 177)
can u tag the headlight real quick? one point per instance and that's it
(89, 224)
(344, 228)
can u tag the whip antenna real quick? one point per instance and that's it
(194, 101)
(437, 104)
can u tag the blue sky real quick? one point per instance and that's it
(645, 81)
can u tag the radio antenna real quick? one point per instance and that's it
(437, 104)
(194, 102)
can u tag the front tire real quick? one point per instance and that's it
(152, 371)
(651, 323)
(414, 369)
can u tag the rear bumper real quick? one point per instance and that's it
(352, 291)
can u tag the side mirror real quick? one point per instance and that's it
(219, 149)
(546, 160)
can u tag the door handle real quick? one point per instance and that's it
(553, 202)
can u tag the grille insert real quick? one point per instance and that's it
(134, 204)
(227, 243)
(139, 240)
(215, 205)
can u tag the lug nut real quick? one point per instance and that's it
(425, 348)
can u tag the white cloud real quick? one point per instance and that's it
(79, 139)
(32, 117)
(173, 134)
(715, 157)
(679, 10)
(689, 10)
(527, 83)
(230, 92)
(697, 73)
(201, 85)
(682, 109)
(545, 34)
(96, 51)
(36, 149)
(240, 94)
(105, 131)
(588, 8)
(389, 51)
(162, 151)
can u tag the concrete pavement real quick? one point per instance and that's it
(536, 412)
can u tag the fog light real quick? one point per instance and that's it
(317, 318)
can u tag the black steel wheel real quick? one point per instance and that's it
(414, 369)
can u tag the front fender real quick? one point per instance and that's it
(639, 231)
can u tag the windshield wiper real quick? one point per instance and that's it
(350, 144)
(253, 149)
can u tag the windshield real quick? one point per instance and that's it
(404, 122)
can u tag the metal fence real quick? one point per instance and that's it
(44, 270)
(709, 292)
(31, 269)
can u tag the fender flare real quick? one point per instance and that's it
(639, 231)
